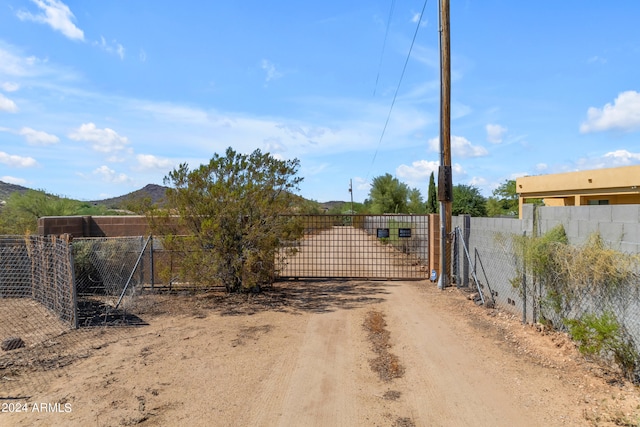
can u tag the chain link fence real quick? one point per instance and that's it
(110, 274)
(57, 296)
(589, 290)
(491, 268)
(37, 303)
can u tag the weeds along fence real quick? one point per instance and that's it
(585, 287)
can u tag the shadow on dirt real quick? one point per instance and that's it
(96, 313)
(290, 296)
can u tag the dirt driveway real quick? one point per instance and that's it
(298, 355)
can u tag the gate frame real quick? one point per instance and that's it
(337, 220)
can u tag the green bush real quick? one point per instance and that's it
(603, 337)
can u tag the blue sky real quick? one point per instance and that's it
(99, 98)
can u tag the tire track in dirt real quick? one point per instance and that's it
(449, 380)
(316, 388)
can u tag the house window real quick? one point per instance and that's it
(598, 202)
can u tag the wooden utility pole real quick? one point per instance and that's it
(445, 181)
(351, 192)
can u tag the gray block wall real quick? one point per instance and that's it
(492, 257)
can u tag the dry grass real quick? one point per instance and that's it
(386, 364)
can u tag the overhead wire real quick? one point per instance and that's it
(395, 95)
(384, 45)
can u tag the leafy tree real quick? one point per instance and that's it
(21, 212)
(504, 200)
(432, 199)
(467, 200)
(494, 207)
(388, 195)
(231, 208)
(416, 204)
(345, 208)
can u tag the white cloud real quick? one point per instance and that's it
(478, 181)
(623, 115)
(149, 161)
(460, 147)
(361, 184)
(17, 161)
(419, 171)
(142, 56)
(270, 70)
(111, 176)
(542, 167)
(10, 86)
(103, 140)
(495, 133)
(415, 18)
(36, 137)
(14, 64)
(13, 180)
(622, 157)
(351, 126)
(7, 105)
(114, 47)
(55, 14)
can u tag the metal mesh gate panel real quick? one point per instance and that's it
(357, 246)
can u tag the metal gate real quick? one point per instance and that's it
(356, 246)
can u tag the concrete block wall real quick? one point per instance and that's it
(94, 226)
(77, 226)
(618, 225)
(118, 226)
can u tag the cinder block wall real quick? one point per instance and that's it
(618, 225)
(74, 225)
(117, 226)
(94, 226)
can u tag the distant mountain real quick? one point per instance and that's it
(6, 189)
(156, 193)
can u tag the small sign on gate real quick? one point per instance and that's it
(404, 232)
(383, 233)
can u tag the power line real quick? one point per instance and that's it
(395, 95)
(384, 44)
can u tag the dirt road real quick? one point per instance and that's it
(299, 356)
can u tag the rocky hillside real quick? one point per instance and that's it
(6, 189)
(153, 191)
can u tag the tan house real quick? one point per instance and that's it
(611, 186)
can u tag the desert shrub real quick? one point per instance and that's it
(232, 210)
(604, 338)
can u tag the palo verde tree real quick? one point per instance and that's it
(231, 208)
